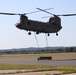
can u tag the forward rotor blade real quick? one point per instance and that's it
(22, 14)
(67, 15)
(9, 13)
(38, 11)
(45, 11)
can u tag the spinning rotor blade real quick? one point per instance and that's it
(22, 14)
(38, 11)
(67, 15)
(54, 14)
(9, 13)
(46, 11)
(45, 16)
(62, 15)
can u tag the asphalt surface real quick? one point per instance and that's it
(34, 61)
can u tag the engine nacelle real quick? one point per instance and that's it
(55, 20)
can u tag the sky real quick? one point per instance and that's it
(11, 37)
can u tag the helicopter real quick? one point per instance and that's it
(52, 26)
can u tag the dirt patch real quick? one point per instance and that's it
(15, 72)
(29, 73)
(11, 71)
(71, 74)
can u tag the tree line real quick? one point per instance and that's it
(23, 51)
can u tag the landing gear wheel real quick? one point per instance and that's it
(48, 34)
(29, 33)
(56, 34)
(37, 32)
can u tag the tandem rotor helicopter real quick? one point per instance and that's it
(52, 26)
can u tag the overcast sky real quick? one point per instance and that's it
(11, 37)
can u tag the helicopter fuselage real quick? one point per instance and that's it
(37, 26)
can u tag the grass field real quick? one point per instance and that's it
(36, 68)
(54, 55)
(64, 69)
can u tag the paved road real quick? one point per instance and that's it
(54, 62)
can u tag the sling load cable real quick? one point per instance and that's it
(46, 40)
(36, 40)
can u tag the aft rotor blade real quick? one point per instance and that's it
(67, 15)
(9, 13)
(45, 11)
(45, 16)
(38, 11)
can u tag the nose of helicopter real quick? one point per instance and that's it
(18, 25)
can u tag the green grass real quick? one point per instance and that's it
(68, 69)
(37, 67)
(54, 55)
(23, 66)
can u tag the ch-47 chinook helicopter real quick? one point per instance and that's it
(52, 26)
